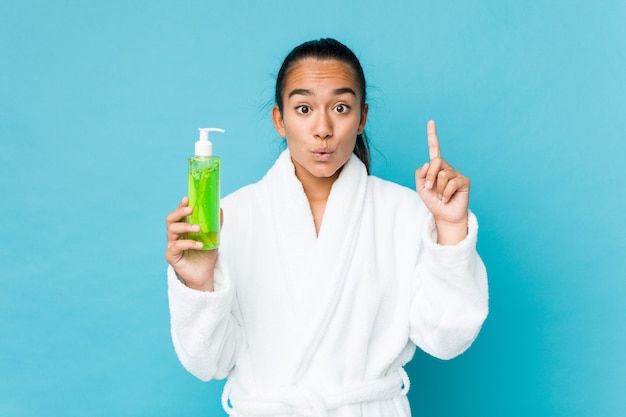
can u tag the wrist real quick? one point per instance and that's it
(205, 287)
(451, 233)
(198, 285)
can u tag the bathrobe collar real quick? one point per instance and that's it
(315, 267)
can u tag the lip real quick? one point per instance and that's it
(322, 154)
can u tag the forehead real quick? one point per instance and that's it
(318, 73)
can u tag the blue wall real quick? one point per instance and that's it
(99, 105)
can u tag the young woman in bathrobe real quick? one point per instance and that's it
(327, 278)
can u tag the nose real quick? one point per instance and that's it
(323, 126)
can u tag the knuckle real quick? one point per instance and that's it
(444, 175)
(172, 218)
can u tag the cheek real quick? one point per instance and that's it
(351, 130)
(295, 144)
(297, 130)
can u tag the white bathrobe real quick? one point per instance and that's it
(321, 325)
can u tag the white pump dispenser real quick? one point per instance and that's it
(203, 146)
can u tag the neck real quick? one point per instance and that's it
(317, 191)
(315, 188)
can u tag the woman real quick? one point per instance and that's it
(327, 278)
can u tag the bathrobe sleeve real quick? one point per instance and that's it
(205, 331)
(449, 293)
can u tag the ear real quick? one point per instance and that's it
(279, 123)
(363, 118)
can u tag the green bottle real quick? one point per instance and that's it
(204, 191)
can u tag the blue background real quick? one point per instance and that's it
(99, 106)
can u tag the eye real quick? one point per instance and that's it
(342, 108)
(303, 109)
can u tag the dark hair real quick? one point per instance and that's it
(327, 48)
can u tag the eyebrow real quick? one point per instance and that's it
(336, 92)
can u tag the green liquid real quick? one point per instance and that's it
(204, 198)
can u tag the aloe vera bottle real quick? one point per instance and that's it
(204, 191)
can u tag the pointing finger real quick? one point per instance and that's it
(433, 141)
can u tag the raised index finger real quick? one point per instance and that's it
(433, 141)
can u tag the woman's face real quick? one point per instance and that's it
(321, 116)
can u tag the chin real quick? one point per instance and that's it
(326, 172)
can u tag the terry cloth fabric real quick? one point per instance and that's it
(300, 323)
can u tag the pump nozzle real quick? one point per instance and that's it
(203, 146)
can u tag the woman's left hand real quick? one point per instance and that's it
(445, 192)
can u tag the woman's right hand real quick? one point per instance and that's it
(194, 266)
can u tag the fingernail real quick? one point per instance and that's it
(428, 185)
(196, 227)
(440, 196)
(199, 244)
